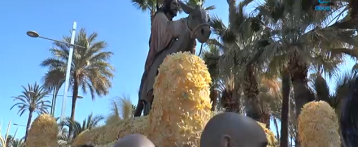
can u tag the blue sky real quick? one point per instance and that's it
(125, 29)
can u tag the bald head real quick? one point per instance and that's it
(86, 145)
(232, 130)
(134, 140)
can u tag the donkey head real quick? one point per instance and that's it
(198, 22)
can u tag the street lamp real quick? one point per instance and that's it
(17, 127)
(79, 96)
(34, 34)
(69, 62)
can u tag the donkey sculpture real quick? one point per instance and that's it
(195, 26)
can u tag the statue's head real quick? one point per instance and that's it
(232, 130)
(198, 21)
(171, 6)
(134, 140)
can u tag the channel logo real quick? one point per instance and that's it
(323, 8)
(324, 1)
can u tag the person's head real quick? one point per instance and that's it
(171, 7)
(85, 145)
(134, 140)
(232, 130)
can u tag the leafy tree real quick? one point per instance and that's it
(90, 71)
(31, 99)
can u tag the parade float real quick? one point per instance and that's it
(180, 111)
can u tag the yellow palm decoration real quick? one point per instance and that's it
(3, 140)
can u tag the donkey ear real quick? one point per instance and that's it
(186, 8)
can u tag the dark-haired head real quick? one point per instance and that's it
(170, 6)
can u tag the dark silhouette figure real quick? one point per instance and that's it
(349, 117)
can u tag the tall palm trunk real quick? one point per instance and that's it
(353, 4)
(54, 99)
(298, 72)
(251, 92)
(28, 123)
(232, 10)
(74, 100)
(285, 108)
(53, 104)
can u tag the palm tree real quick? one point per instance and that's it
(341, 90)
(211, 59)
(90, 69)
(222, 57)
(17, 143)
(236, 41)
(299, 37)
(31, 99)
(11, 141)
(87, 124)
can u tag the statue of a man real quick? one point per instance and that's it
(162, 35)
